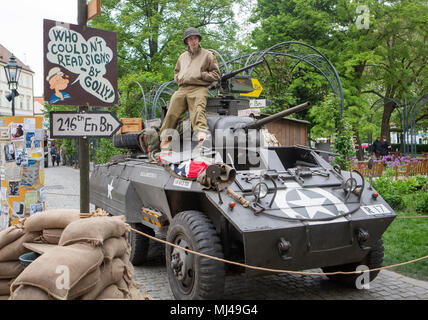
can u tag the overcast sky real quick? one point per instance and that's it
(21, 25)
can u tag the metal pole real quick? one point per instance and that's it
(13, 103)
(83, 142)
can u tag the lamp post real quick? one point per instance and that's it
(13, 71)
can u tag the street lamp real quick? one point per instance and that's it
(13, 71)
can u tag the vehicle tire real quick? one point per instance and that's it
(373, 260)
(139, 243)
(192, 277)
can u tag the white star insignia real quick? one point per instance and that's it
(312, 205)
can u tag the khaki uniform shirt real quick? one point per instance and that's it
(197, 68)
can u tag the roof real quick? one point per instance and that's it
(264, 115)
(5, 56)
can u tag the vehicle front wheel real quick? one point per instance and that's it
(139, 243)
(192, 277)
(373, 260)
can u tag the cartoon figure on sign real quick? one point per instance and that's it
(58, 82)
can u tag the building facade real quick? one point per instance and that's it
(24, 103)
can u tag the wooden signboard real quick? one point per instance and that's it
(80, 65)
(94, 9)
(69, 124)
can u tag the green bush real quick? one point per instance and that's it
(395, 200)
(400, 194)
(421, 202)
(419, 147)
(106, 150)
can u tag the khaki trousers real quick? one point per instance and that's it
(192, 98)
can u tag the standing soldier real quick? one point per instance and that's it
(195, 71)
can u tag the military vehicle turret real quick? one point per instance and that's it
(281, 207)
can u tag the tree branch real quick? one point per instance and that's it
(374, 92)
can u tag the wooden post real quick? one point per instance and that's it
(83, 142)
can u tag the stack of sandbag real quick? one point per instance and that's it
(89, 261)
(11, 248)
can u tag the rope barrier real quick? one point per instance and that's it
(268, 269)
(274, 270)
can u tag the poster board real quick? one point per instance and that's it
(21, 167)
(80, 65)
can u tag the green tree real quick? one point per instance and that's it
(150, 31)
(387, 59)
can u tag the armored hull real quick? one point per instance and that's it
(307, 219)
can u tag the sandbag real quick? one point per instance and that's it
(87, 284)
(9, 235)
(10, 269)
(5, 286)
(111, 273)
(49, 269)
(52, 236)
(135, 294)
(24, 292)
(111, 292)
(123, 286)
(52, 219)
(93, 230)
(14, 250)
(115, 247)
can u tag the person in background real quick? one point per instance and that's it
(377, 147)
(58, 157)
(386, 147)
(53, 154)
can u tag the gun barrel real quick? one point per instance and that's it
(273, 117)
(233, 73)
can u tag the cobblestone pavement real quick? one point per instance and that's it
(62, 192)
(388, 285)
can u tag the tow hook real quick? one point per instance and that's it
(283, 248)
(362, 237)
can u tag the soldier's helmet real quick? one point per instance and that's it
(191, 32)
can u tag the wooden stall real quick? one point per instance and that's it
(288, 131)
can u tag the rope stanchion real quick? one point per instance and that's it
(273, 270)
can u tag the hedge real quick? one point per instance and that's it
(419, 147)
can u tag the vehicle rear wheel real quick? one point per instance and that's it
(139, 243)
(192, 277)
(373, 260)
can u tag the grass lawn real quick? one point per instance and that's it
(404, 240)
